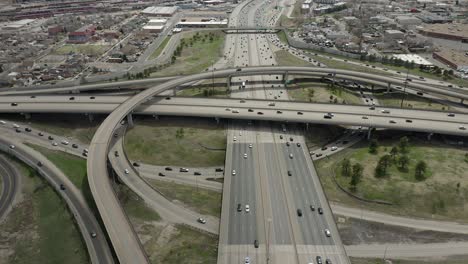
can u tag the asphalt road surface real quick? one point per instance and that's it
(10, 186)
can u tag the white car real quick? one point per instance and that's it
(250, 145)
(235, 111)
(247, 208)
(247, 260)
(2, 122)
(54, 144)
(334, 148)
(233, 172)
(327, 233)
(462, 128)
(12, 146)
(234, 139)
(64, 142)
(290, 155)
(245, 155)
(16, 126)
(126, 171)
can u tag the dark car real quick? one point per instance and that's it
(71, 98)
(14, 104)
(299, 212)
(18, 130)
(28, 129)
(324, 148)
(40, 134)
(84, 154)
(319, 260)
(256, 243)
(312, 208)
(116, 153)
(300, 113)
(196, 173)
(239, 69)
(279, 112)
(161, 174)
(298, 144)
(51, 138)
(250, 110)
(287, 143)
(327, 117)
(318, 155)
(281, 136)
(168, 168)
(289, 173)
(183, 170)
(39, 164)
(62, 187)
(291, 139)
(320, 210)
(328, 261)
(260, 113)
(74, 145)
(219, 170)
(409, 121)
(136, 164)
(239, 208)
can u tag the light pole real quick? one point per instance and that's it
(212, 76)
(385, 254)
(268, 240)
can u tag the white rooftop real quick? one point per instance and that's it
(160, 10)
(413, 57)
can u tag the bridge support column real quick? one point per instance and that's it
(90, 117)
(429, 136)
(217, 120)
(285, 79)
(174, 91)
(156, 117)
(388, 87)
(130, 120)
(27, 116)
(228, 82)
(462, 101)
(75, 91)
(307, 126)
(369, 133)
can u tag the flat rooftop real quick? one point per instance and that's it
(413, 57)
(459, 30)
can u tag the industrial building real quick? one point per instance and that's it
(392, 34)
(202, 24)
(18, 24)
(81, 35)
(455, 59)
(446, 31)
(160, 11)
(408, 21)
(413, 58)
(155, 25)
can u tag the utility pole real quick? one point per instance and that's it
(212, 76)
(268, 241)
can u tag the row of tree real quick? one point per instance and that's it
(352, 170)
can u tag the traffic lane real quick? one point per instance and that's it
(10, 186)
(106, 105)
(98, 248)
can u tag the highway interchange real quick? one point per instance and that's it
(257, 152)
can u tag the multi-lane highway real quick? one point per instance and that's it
(93, 236)
(10, 186)
(352, 115)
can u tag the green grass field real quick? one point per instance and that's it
(155, 142)
(195, 58)
(201, 200)
(321, 93)
(437, 197)
(410, 101)
(41, 229)
(284, 58)
(160, 48)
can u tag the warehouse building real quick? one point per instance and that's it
(160, 11)
(455, 59)
(446, 31)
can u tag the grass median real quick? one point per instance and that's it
(177, 141)
(409, 101)
(160, 48)
(440, 196)
(41, 229)
(321, 93)
(198, 53)
(200, 200)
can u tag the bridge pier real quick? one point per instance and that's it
(156, 117)
(217, 120)
(388, 87)
(369, 133)
(174, 91)
(429, 136)
(285, 79)
(27, 116)
(462, 101)
(130, 120)
(228, 81)
(90, 117)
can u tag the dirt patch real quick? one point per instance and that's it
(356, 231)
